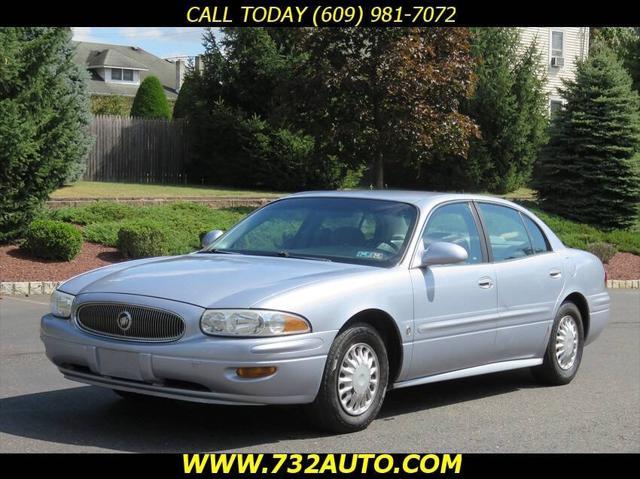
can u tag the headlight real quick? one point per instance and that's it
(252, 322)
(61, 304)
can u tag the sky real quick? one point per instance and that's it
(164, 42)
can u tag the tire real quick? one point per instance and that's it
(328, 411)
(557, 371)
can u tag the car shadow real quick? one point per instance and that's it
(94, 417)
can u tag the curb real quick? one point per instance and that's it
(623, 283)
(28, 288)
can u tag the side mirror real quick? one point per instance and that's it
(208, 238)
(441, 252)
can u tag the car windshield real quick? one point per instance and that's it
(349, 230)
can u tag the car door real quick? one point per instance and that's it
(530, 280)
(455, 306)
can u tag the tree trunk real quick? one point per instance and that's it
(379, 172)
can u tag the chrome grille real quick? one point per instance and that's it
(146, 324)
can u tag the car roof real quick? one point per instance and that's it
(418, 198)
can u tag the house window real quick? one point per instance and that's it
(557, 44)
(120, 74)
(554, 107)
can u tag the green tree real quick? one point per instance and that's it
(187, 97)
(150, 100)
(509, 105)
(388, 96)
(590, 169)
(44, 117)
(625, 42)
(241, 114)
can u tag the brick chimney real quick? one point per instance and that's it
(181, 69)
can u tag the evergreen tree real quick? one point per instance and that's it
(150, 100)
(625, 43)
(187, 97)
(44, 117)
(242, 124)
(590, 169)
(509, 105)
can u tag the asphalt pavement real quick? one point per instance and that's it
(599, 411)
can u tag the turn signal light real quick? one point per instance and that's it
(254, 373)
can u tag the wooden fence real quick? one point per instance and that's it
(137, 150)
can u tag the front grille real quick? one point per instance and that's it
(125, 321)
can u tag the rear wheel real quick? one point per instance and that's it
(564, 351)
(354, 382)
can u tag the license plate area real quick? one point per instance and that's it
(119, 364)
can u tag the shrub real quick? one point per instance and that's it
(604, 251)
(143, 239)
(150, 100)
(111, 105)
(105, 233)
(99, 211)
(181, 222)
(49, 239)
(44, 118)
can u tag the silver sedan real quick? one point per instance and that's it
(330, 299)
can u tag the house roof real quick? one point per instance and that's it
(113, 58)
(98, 55)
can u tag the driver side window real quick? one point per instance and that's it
(454, 223)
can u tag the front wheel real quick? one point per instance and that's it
(354, 382)
(564, 351)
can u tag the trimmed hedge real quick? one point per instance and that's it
(48, 239)
(181, 222)
(143, 239)
(150, 100)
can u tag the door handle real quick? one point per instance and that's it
(555, 273)
(485, 283)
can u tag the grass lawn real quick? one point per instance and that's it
(520, 194)
(95, 189)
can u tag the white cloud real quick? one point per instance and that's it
(141, 32)
(83, 34)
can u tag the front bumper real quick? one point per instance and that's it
(195, 368)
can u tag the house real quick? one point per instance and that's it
(119, 70)
(560, 49)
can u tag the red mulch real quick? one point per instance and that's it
(623, 266)
(15, 265)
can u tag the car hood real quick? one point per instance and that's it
(209, 280)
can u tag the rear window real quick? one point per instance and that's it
(538, 239)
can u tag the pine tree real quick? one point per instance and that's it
(44, 117)
(509, 105)
(590, 169)
(150, 100)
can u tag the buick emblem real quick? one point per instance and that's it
(124, 320)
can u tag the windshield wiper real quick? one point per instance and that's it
(287, 254)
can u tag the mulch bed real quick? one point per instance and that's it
(623, 266)
(15, 265)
